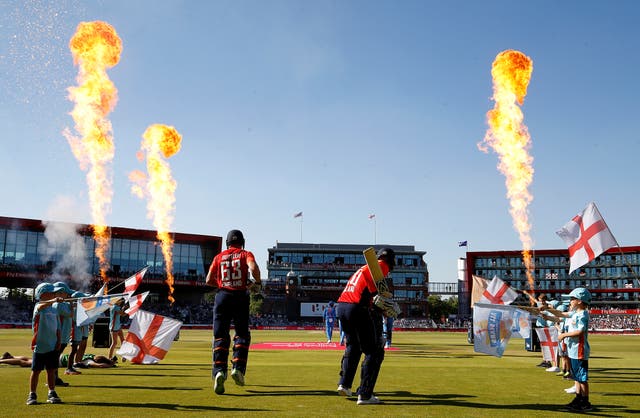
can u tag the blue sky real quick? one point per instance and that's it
(338, 109)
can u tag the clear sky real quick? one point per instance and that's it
(339, 109)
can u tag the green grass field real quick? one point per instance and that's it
(432, 374)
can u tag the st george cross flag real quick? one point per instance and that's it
(132, 283)
(149, 338)
(499, 293)
(587, 236)
(548, 342)
(135, 302)
(479, 286)
(494, 325)
(90, 308)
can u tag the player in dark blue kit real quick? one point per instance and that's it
(231, 272)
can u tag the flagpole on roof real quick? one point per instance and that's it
(299, 215)
(375, 228)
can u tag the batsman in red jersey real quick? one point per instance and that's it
(362, 325)
(231, 272)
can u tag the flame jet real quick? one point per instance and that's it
(509, 138)
(95, 47)
(159, 142)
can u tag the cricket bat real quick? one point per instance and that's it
(372, 261)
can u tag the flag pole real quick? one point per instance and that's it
(301, 218)
(375, 230)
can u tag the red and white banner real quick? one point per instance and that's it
(132, 283)
(587, 236)
(149, 338)
(548, 342)
(498, 293)
(135, 302)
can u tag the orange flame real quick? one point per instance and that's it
(159, 141)
(509, 138)
(95, 47)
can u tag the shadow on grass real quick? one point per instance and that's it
(457, 400)
(165, 406)
(290, 392)
(138, 387)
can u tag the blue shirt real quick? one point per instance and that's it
(114, 318)
(66, 320)
(578, 347)
(329, 315)
(46, 326)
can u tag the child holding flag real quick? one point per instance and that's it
(578, 346)
(45, 343)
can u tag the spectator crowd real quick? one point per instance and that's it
(19, 311)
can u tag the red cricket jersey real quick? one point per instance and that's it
(360, 281)
(230, 268)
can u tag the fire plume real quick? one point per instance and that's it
(95, 47)
(509, 138)
(159, 143)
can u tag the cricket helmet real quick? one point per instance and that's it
(235, 237)
(582, 294)
(62, 287)
(388, 256)
(41, 289)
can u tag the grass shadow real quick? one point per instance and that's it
(164, 406)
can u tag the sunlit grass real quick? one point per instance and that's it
(432, 374)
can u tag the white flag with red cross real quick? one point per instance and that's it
(135, 302)
(548, 342)
(149, 338)
(587, 236)
(498, 293)
(132, 283)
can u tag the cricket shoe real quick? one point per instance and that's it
(238, 377)
(53, 397)
(218, 383)
(32, 399)
(585, 406)
(544, 364)
(342, 391)
(60, 382)
(553, 369)
(570, 390)
(373, 400)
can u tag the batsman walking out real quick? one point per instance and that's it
(231, 273)
(362, 326)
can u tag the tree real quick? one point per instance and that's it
(439, 308)
(255, 304)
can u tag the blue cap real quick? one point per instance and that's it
(582, 294)
(62, 287)
(78, 295)
(41, 289)
(554, 304)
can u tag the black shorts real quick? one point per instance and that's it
(43, 361)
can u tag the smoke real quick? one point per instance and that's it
(65, 246)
